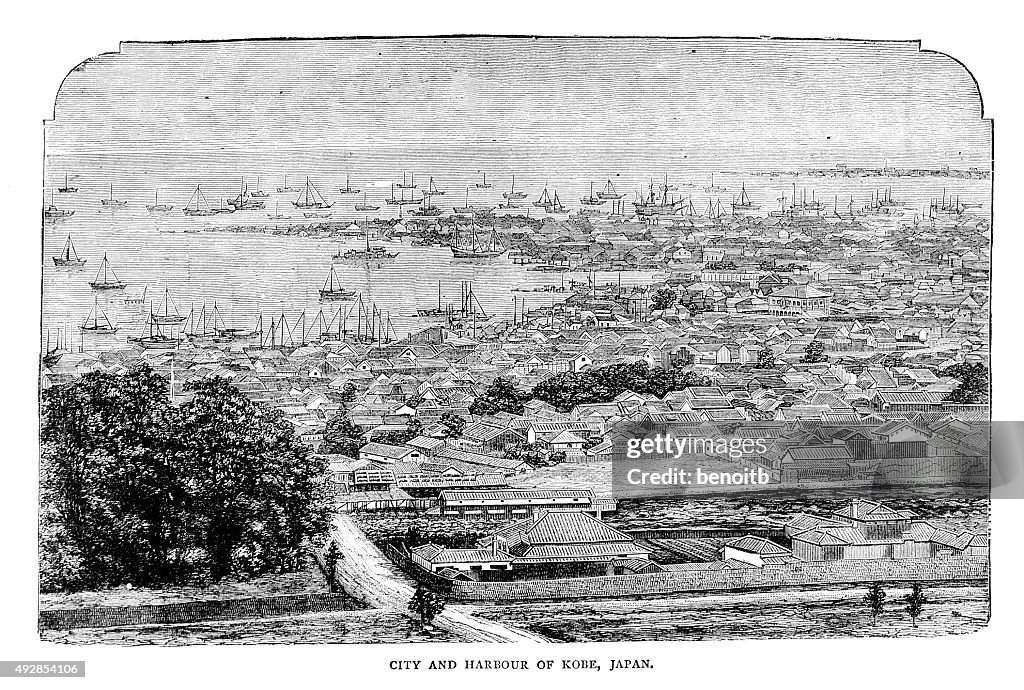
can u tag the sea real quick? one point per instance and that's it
(247, 274)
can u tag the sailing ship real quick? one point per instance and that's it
(347, 189)
(471, 210)
(427, 208)
(333, 290)
(198, 205)
(433, 313)
(310, 197)
(592, 200)
(51, 212)
(608, 192)
(156, 338)
(512, 193)
(259, 194)
(432, 189)
(110, 280)
(286, 189)
(744, 203)
(652, 205)
(369, 254)
(156, 205)
(69, 257)
(111, 201)
(713, 189)
(485, 184)
(405, 184)
(949, 207)
(399, 201)
(366, 207)
(556, 205)
(244, 201)
(97, 321)
(544, 200)
(476, 248)
(882, 203)
(67, 189)
(170, 314)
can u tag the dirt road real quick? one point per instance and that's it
(368, 575)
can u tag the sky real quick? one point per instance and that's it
(542, 106)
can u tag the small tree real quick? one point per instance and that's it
(814, 352)
(331, 559)
(663, 298)
(876, 600)
(426, 604)
(915, 602)
(453, 424)
(765, 359)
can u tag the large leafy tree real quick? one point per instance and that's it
(255, 493)
(973, 383)
(135, 490)
(342, 436)
(565, 391)
(500, 396)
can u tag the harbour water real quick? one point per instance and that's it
(246, 274)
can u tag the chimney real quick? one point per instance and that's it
(854, 505)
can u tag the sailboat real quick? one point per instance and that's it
(310, 197)
(333, 291)
(477, 249)
(170, 314)
(608, 193)
(198, 205)
(744, 203)
(512, 193)
(156, 205)
(156, 337)
(592, 200)
(406, 184)
(366, 207)
(347, 189)
(484, 184)
(259, 194)
(67, 189)
(432, 189)
(276, 215)
(715, 209)
(52, 213)
(469, 210)
(650, 205)
(69, 257)
(244, 201)
(111, 201)
(110, 281)
(97, 321)
(544, 200)
(713, 188)
(285, 189)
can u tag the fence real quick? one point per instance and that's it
(193, 611)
